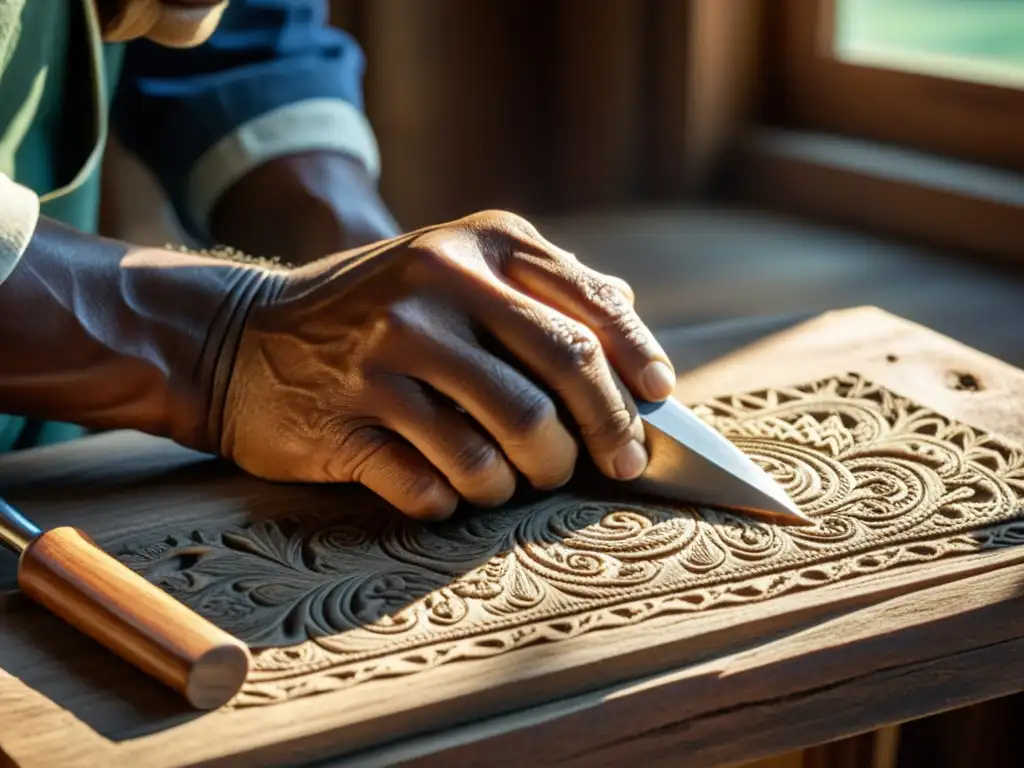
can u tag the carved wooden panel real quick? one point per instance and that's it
(341, 601)
(581, 628)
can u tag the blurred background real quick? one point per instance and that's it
(731, 158)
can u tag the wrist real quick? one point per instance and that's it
(194, 310)
(98, 333)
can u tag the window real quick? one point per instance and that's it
(979, 40)
(944, 76)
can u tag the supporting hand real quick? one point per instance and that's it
(378, 366)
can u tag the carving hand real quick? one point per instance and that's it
(381, 366)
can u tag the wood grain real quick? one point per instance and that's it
(65, 571)
(798, 668)
(30, 724)
(598, 101)
(941, 647)
(711, 62)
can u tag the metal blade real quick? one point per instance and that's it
(16, 530)
(690, 461)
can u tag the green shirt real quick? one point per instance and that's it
(56, 77)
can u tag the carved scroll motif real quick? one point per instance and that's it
(339, 601)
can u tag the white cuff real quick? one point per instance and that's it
(19, 214)
(314, 124)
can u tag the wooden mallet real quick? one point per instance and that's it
(65, 571)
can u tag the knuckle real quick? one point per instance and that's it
(507, 228)
(427, 505)
(357, 450)
(625, 287)
(531, 416)
(453, 254)
(633, 330)
(609, 300)
(585, 352)
(420, 489)
(505, 221)
(476, 460)
(613, 309)
(615, 427)
(438, 249)
(577, 345)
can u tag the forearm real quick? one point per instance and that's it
(95, 332)
(303, 207)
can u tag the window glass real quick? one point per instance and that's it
(981, 40)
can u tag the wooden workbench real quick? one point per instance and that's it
(586, 628)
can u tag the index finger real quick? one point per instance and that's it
(599, 302)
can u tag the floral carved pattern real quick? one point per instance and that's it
(336, 601)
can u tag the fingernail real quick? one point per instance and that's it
(630, 462)
(659, 380)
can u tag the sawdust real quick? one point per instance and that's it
(227, 253)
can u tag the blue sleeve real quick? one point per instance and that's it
(173, 106)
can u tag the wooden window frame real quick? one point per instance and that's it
(927, 159)
(959, 118)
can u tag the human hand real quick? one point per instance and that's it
(373, 366)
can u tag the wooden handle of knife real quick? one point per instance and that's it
(67, 573)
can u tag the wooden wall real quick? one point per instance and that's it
(550, 105)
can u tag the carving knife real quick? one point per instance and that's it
(63, 570)
(692, 462)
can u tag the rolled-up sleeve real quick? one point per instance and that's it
(19, 214)
(274, 80)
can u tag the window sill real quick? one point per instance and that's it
(884, 189)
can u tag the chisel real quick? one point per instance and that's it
(66, 572)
